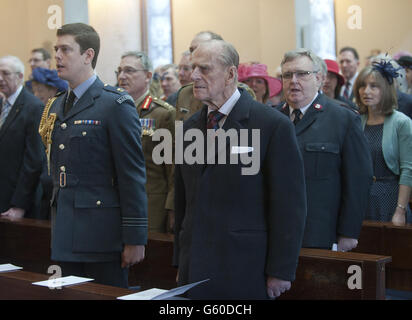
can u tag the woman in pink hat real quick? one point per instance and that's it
(257, 78)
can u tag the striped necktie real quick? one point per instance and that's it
(346, 91)
(213, 119)
(4, 112)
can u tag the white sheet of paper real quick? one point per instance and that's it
(61, 282)
(335, 247)
(160, 294)
(143, 295)
(9, 267)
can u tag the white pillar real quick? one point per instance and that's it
(118, 25)
(76, 11)
(315, 27)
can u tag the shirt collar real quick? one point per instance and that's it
(82, 88)
(12, 99)
(229, 104)
(352, 80)
(304, 108)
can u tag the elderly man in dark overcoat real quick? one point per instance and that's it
(238, 223)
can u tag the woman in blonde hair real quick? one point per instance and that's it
(389, 134)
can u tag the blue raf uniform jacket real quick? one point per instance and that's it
(98, 172)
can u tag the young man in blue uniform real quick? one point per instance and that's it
(92, 134)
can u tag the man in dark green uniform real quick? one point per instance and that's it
(134, 75)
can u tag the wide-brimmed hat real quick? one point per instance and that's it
(49, 77)
(259, 70)
(334, 68)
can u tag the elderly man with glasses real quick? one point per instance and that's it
(134, 75)
(336, 158)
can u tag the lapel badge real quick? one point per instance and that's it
(318, 106)
(148, 126)
(184, 110)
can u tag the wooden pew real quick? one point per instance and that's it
(19, 287)
(384, 238)
(321, 274)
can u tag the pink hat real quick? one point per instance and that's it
(258, 70)
(334, 68)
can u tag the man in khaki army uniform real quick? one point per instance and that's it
(186, 103)
(134, 75)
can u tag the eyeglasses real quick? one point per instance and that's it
(128, 70)
(300, 75)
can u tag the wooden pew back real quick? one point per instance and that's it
(384, 238)
(321, 274)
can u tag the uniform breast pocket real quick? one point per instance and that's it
(85, 144)
(322, 159)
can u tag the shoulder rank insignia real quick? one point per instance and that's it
(148, 126)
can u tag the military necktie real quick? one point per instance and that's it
(213, 119)
(69, 102)
(298, 115)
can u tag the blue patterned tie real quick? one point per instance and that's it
(213, 119)
(4, 112)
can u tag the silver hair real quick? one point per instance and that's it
(322, 65)
(16, 64)
(143, 57)
(170, 66)
(301, 52)
(228, 55)
(401, 83)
